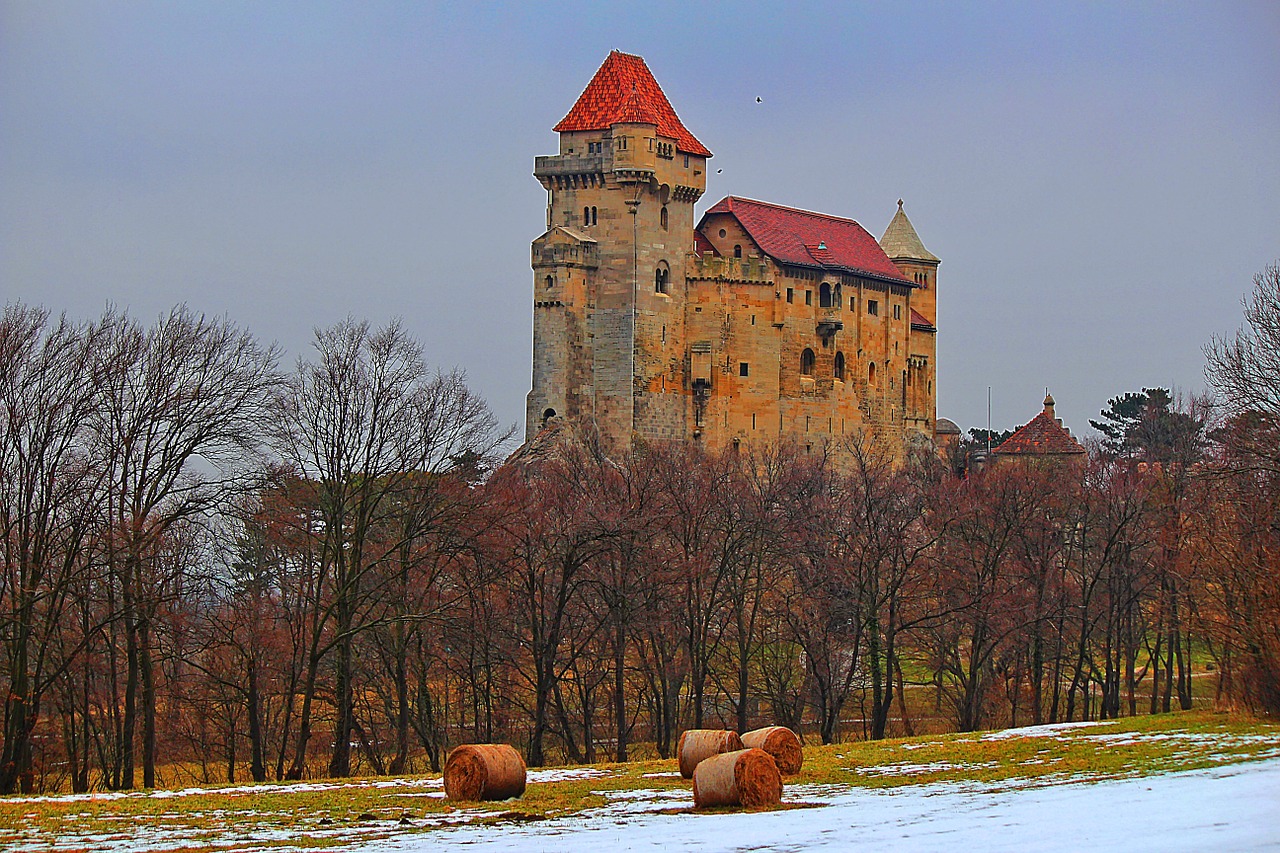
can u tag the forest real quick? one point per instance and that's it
(216, 567)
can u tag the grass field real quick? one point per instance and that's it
(340, 813)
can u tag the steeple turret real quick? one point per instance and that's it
(901, 242)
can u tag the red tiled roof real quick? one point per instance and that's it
(808, 239)
(919, 321)
(624, 90)
(1041, 437)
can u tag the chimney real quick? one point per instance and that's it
(1048, 408)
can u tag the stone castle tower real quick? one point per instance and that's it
(761, 322)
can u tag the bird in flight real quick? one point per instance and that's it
(759, 100)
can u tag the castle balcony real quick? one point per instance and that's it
(829, 322)
(745, 270)
(566, 255)
(572, 170)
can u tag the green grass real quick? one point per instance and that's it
(336, 813)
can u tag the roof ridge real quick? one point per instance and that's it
(814, 213)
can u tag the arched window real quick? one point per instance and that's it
(838, 370)
(593, 216)
(824, 296)
(550, 281)
(548, 415)
(662, 218)
(737, 251)
(662, 278)
(871, 373)
(586, 216)
(806, 362)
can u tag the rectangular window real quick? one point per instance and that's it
(791, 294)
(808, 297)
(897, 312)
(753, 420)
(873, 307)
(853, 303)
(743, 368)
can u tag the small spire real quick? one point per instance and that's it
(899, 204)
(1048, 404)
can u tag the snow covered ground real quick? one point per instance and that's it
(1234, 807)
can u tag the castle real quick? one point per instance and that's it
(759, 323)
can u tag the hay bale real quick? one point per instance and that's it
(698, 744)
(780, 742)
(747, 778)
(483, 771)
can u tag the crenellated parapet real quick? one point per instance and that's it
(708, 267)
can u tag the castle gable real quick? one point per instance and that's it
(1044, 436)
(808, 239)
(623, 90)
(560, 235)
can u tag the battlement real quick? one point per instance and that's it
(566, 254)
(751, 270)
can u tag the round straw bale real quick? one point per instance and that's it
(747, 778)
(483, 771)
(780, 742)
(697, 744)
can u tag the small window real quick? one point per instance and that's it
(853, 303)
(824, 296)
(662, 218)
(743, 368)
(550, 281)
(586, 216)
(686, 161)
(873, 307)
(593, 216)
(807, 361)
(871, 373)
(791, 294)
(838, 370)
(808, 297)
(621, 143)
(661, 280)
(897, 312)
(548, 415)
(723, 233)
(737, 251)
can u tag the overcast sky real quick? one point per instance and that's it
(1101, 180)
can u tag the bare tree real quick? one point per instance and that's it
(1245, 368)
(181, 407)
(49, 489)
(358, 423)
